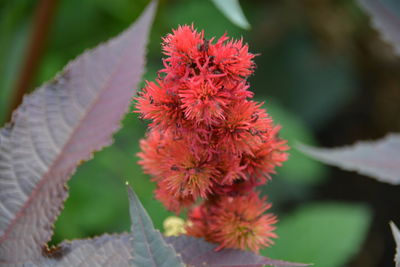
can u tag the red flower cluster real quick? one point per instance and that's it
(208, 141)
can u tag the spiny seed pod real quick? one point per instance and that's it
(209, 141)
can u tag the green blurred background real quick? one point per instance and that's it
(324, 75)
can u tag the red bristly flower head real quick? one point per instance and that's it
(234, 222)
(208, 141)
(204, 103)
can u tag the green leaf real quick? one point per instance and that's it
(326, 234)
(148, 246)
(232, 10)
(193, 12)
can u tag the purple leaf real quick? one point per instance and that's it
(57, 127)
(379, 159)
(148, 246)
(385, 19)
(198, 253)
(106, 250)
(116, 250)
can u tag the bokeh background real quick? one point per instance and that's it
(324, 75)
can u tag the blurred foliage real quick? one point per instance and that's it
(13, 38)
(326, 234)
(232, 10)
(294, 130)
(314, 61)
(329, 88)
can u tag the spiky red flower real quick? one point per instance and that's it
(262, 161)
(204, 103)
(172, 202)
(208, 141)
(244, 128)
(234, 222)
(160, 104)
(178, 171)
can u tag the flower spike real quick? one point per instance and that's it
(209, 145)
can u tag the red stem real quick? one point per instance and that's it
(41, 25)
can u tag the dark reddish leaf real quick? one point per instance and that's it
(57, 127)
(379, 159)
(148, 246)
(198, 253)
(385, 15)
(106, 250)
